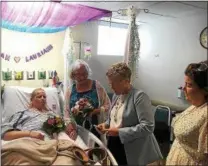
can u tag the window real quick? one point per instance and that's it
(112, 38)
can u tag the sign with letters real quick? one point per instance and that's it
(28, 58)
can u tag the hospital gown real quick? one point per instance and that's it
(30, 120)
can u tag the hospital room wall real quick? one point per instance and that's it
(168, 45)
(19, 44)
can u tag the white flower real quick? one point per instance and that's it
(76, 107)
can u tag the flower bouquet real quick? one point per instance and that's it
(54, 125)
(84, 108)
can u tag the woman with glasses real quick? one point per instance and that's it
(190, 146)
(130, 124)
(88, 90)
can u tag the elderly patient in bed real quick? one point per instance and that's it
(24, 141)
(28, 123)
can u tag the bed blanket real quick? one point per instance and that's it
(38, 152)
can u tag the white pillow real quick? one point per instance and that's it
(17, 98)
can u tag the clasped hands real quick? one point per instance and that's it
(104, 129)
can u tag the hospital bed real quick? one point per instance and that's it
(17, 98)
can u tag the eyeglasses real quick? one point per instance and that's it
(80, 74)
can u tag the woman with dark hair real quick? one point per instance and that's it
(190, 146)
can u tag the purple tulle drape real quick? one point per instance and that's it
(48, 14)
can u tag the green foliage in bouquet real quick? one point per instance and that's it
(87, 111)
(54, 124)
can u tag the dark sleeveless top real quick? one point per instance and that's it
(90, 94)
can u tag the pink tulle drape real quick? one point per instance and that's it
(48, 14)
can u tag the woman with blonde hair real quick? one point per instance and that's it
(130, 124)
(28, 123)
(190, 146)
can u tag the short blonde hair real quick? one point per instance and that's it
(34, 92)
(120, 70)
(76, 65)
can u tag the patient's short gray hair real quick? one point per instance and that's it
(76, 65)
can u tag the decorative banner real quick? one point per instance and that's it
(5, 56)
(48, 16)
(38, 54)
(17, 59)
(28, 58)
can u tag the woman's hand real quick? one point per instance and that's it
(75, 111)
(95, 112)
(37, 135)
(102, 127)
(112, 131)
(71, 131)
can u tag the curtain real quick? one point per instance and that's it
(132, 48)
(69, 57)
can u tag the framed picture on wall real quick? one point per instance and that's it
(18, 75)
(30, 75)
(41, 75)
(7, 75)
(50, 74)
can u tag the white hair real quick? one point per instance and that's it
(77, 64)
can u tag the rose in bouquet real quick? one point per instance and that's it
(83, 106)
(82, 110)
(54, 125)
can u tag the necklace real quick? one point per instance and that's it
(118, 105)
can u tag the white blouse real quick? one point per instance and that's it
(117, 112)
